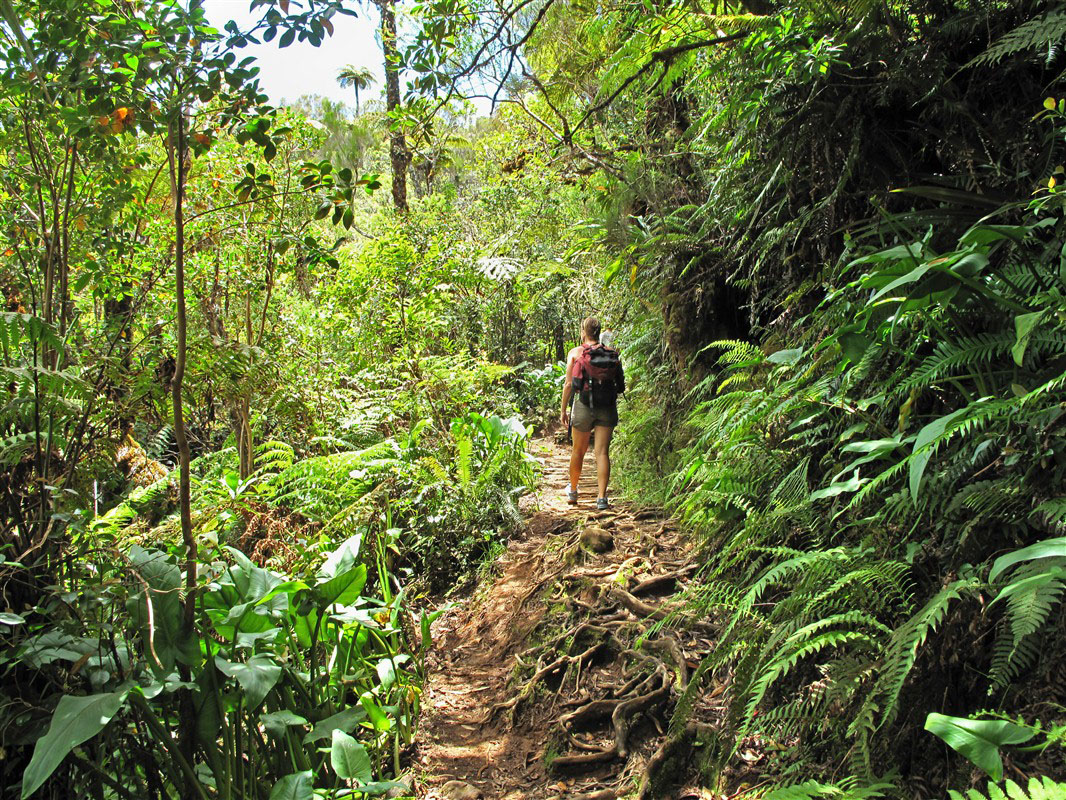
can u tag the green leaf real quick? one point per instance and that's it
(343, 558)
(386, 669)
(786, 356)
(349, 758)
(613, 269)
(1031, 583)
(341, 721)
(915, 274)
(298, 786)
(374, 711)
(167, 633)
(978, 739)
(287, 38)
(1049, 548)
(256, 677)
(342, 589)
(853, 484)
(873, 445)
(377, 788)
(76, 719)
(276, 722)
(853, 345)
(7, 618)
(1023, 329)
(231, 479)
(924, 447)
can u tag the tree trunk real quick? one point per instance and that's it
(177, 151)
(397, 142)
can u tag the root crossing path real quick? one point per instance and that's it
(556, 679)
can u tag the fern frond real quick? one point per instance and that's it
(1043, 788)
(905, 642)
(1047, 29)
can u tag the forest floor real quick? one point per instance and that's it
(556, 677)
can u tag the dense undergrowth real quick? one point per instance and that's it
(233, 493)
(873, 458)
(830, 239)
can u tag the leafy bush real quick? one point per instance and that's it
(274, 666)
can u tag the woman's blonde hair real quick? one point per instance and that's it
(591, 328)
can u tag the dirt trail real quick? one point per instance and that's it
(553, 680)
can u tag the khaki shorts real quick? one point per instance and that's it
(585, 418)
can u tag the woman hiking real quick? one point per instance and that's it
(594, 373)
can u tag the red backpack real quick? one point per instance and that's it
(597, 375)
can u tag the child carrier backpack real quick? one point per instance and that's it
(598, 375)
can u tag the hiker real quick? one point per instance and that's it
(594, 374)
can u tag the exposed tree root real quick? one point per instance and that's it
(651, 784)
(603, 794)
(635, 605)
(658, 583)
(619, 662)
(594, 647)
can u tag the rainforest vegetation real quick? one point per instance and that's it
(269, 375)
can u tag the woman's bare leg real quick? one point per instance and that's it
(577, 455)
(602, 448)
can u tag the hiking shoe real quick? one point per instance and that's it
(571, 497)
(601, 503)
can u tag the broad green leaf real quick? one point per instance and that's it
(786, 356)
(349, 758)
(386, 669)
(276, 722)
(612, 269)
(341, 721)
(8, 618)
(167, 632)
(915, 274)
(978, 739)
(343, 558)
(297, 786)
(231, 479)
(1023, 329)
(854, 345)
(853, 484)
(1049, 548)
(1031, 583)
(286, 588)
(375, 712)
(377, 788)
(924, 447)
(76, 719)
(872, 445)
(342, 589)
(252, 582)
(256, 677)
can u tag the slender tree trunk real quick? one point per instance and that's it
(178, 154)
(187, 710)
(397, 142)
